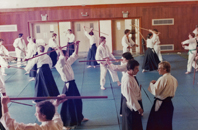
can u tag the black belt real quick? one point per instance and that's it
(168, 98)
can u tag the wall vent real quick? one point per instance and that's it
(8, 28)
(169, 21)
(167, 47)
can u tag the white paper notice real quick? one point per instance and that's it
(51, 27)
(118, 26)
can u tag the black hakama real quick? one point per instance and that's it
(71, 110)
(70, 48)
(91, 55)
(151, 60)
(131, 120)
(161, 119)
(45, 85)
(1, 125)
(33, 71)
(52, 55)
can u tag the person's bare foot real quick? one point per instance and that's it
(119, 84)
(187, 72)
(85, 119)
(143, 70)
(102, 88)
(89, 66)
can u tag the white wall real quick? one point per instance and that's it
(50, 3)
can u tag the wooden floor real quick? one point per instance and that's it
(103, 114)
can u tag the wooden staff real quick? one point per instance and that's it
(141, 28)
(21, 103)
(48, 52)
(98, 60)
(67, 97)
(97, 31)
(142, 35)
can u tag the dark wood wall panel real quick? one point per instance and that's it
(184, 14)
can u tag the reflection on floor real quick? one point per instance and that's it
(103, 114)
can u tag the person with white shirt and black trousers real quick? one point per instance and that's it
(92, 49)
(161, 114)
(71, 110)
(131, 106)
(71, 39)
(52, 46)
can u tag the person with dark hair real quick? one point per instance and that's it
(127, 41)
(191, 53)
(157, 45)
(20, 48)
(151, 59)
(161, 114)
(103, 53)
(131, 108)
(71, 39)
(3, 52)
(53, 45)
(45, 85)
(46, 113)
(71, 110)
(92, 49)
(31, 51)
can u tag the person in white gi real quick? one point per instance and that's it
(191, 53)
(3, 52)
(163, 89)
(103, 53)
(127, 42)
(131, 108)
(196, 30)
(70, 40)
(157, 46)
(49, 117)
(20, 48)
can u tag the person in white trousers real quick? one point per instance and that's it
(103, 53)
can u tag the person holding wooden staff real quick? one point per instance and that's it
(3, 52)
(45, 85)
(71, 39)
(157, 46)
(46, 113)
(161, 114)
(92, 50)
(53, 45)
(127, 42)
(20, 48)
(151, 59)
(32, 50)
(71, 110)
(103, 53)
(191, 53)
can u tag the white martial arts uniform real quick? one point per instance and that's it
(127, 42)
(131, 91)
(150, 42)
(70, 39)
(52, 43)
(3, 51)
(20, 53)
(10, 124)
(2, 84)
(92, 38)
(157, 47)
(122, 67)
(164, 87)
(195, 32)
(191, 54)
(31, 50)
(101, 53)
(64, 68)
(41, 60)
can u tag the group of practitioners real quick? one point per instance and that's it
(131, 107)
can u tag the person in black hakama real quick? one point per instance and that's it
(71, 39)
(92, 49)
(131, 108)
(45, 85)
(71, 110)
(52, 46)
(151, 59)
(163, 89)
